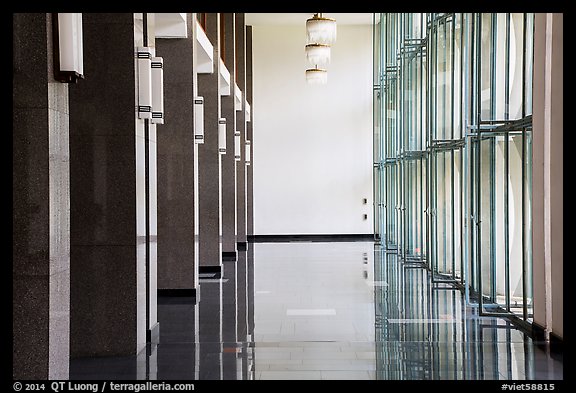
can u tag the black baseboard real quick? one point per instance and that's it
(539, 335)
(153, 334)
(555, 345)
(538, 332)
(177, 292)
(210, 271)
(555, 339)
(312, 238)
(242, 246)
(229, 256)
(179, 296)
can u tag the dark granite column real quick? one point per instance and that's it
(241, 127)
(108, 202)
(229, 254)
(177, 158)
(40, 205)
(209, 163)
(249, 136)
(228, 162)
(151, 188)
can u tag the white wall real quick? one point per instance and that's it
(312, 143)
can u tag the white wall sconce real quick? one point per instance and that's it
(321, 30)
(68, 47)
(199, 119)
(316, 76)
(237, 147)
(157, 65)
(144, 61)
(247, 154)
(222, 135)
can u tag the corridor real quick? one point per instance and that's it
(273, 196)
(327, 310)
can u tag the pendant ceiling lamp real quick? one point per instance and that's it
(316, 76)
(320, 30)
(318, 54)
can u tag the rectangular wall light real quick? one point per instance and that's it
(157, 90)
(237, 147)
(199, 119)
(222, 135)
(144, 62)
(68, 47)
(247, 154)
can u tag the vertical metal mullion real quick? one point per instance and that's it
(493, 33)
(507, 168)
(477, 92)
(453, 55)
(422, 146)
(462, 135)
(433, 164)
(428, 133)
(524, 268)
(402, 149)
(444, 88)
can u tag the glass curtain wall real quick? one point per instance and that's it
(452, 151)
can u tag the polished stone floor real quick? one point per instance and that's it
(328, 310)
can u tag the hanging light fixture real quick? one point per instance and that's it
(320, 30)
(318, 54)
(316, 76)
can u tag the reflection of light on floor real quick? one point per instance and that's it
(422, 320)
(313, 311)
(376, 283)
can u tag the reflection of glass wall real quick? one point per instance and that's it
(425, 333)
(452, 126)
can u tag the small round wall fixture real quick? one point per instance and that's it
(318, 54)
(316, 76)
(321, 30)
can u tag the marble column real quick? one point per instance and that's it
(229, 251)
(107, 194)
(241, 127)
(249, 136)
(209, 163)
(547, 170)
(177, 164)
(40, 205)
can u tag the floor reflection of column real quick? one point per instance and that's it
(197, 352)
(248, 371)
(242, 326)
(153, 362)
(229, 319)
(147, 363)
(210, 334)
(177, 355)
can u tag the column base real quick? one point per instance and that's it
(229, 256)
(177, 292)
(153, 334)
(210, 271)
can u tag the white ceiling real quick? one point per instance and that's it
(284, 18)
